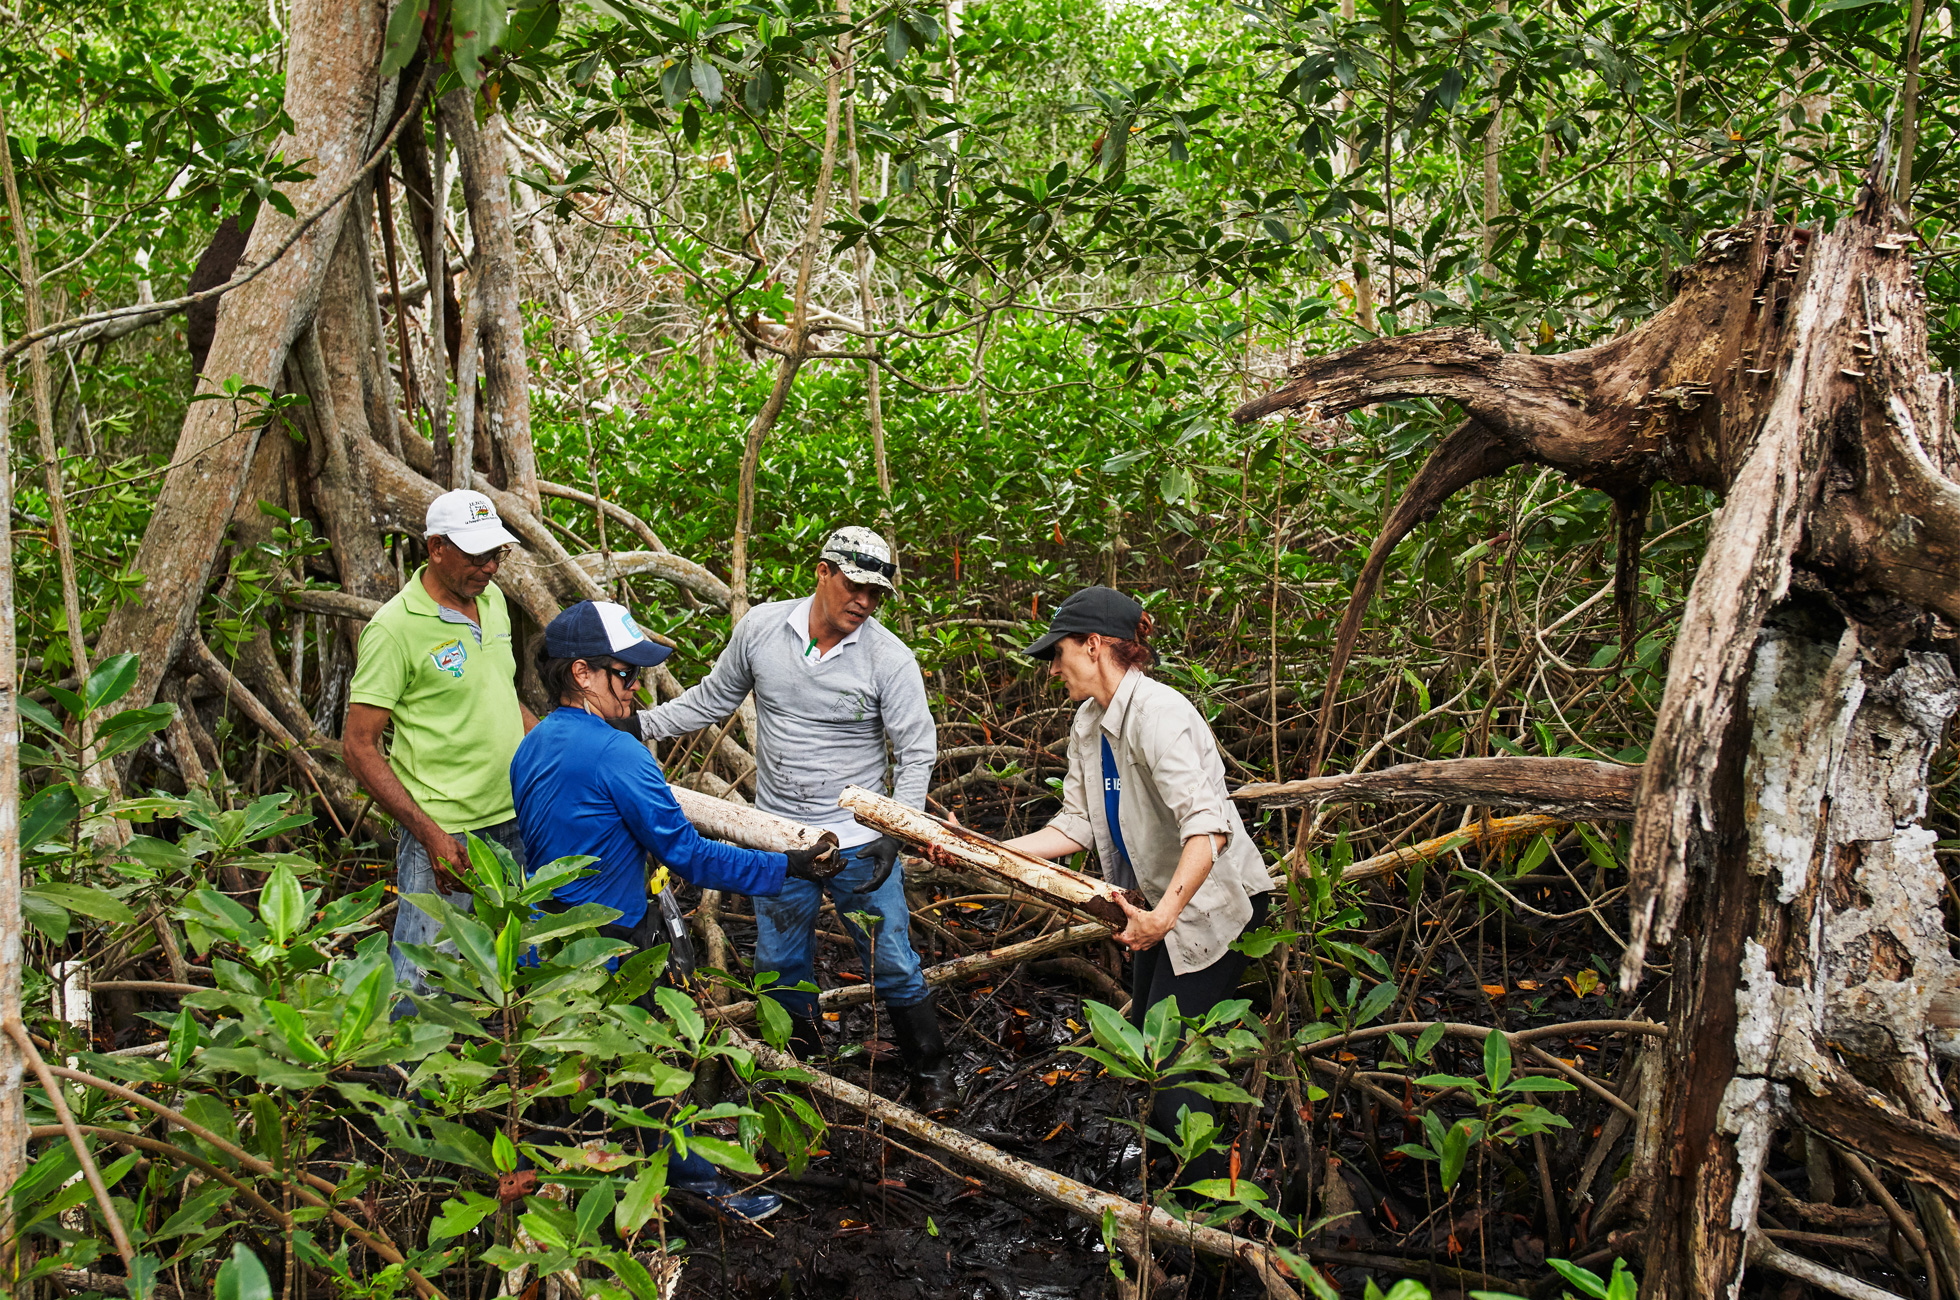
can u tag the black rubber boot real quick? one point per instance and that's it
(924, 1051)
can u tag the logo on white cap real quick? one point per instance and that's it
(469, 519)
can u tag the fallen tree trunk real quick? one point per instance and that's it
(1093, 898)
(1577, 789)
(1078, 1198)
(952, 972)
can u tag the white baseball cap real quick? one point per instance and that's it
(862, 555)
(469, 521)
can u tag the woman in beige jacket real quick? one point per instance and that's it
(1146, 790)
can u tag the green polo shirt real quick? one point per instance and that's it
(452, 687)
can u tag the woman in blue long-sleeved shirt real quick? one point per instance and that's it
(584, 788)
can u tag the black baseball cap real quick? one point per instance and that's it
(593, 629)
(1092, 609)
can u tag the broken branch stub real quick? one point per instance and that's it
(1093, 898)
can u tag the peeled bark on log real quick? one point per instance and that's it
(339, 110)
(718, 819)
(1577, 789)
(1093, 898)
(1050, 1186)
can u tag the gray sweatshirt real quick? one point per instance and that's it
(823, 722)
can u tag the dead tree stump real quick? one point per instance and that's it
(1779, 856)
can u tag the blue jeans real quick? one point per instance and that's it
(414, 875)
(786, 935)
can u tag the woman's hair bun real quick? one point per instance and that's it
(1146, 627)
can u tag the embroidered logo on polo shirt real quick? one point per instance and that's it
(450, 656)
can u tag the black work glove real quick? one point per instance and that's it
(818, 862)
(630, 724)
(884, 852)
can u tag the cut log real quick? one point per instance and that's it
(1575, 788)
(1050, 1186)
(1093, 898)
(951, 972)
(718, 819)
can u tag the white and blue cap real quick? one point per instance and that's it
(593, 628)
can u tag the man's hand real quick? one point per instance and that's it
(447, 856)
(1146, 929)
(882, 851)
(817, 862)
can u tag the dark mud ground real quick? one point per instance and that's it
(871, 1219)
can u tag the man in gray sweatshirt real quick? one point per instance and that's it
(832, 686)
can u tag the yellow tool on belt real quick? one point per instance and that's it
(657, 882)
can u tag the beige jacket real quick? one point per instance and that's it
(1173, 788)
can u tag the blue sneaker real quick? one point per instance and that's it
(751, 1207)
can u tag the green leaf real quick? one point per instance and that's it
(681, 1009)
(459, 1216)
(725, 1154)
(243, 1277)
(642, 1198)
(1427, 1042)
(707, 79)
(86, 899)
(477, 945)
(44, 916)
(1497, 1060)
(364, 1006)
(110, 681)
(1584, 1280)
(1380, 998)
(503, 1152)
(281, 904)
(478, 26)
(292, 1027)
(52, 809)
(404, 36)
(594, 1208)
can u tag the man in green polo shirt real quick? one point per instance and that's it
(437, 661)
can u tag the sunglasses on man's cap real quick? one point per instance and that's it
(859, 560)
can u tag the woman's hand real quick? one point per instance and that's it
(1146, 929)
(940, 857)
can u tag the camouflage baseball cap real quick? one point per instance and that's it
(862, 556)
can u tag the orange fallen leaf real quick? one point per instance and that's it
(1494, 990)
(853, 976)
(1528, 984)
(1057, 1129)
(833, 1015)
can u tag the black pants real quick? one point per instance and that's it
(1151, 981)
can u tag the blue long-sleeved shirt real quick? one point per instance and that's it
(583, 788)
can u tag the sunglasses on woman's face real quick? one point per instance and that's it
(628, 676)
